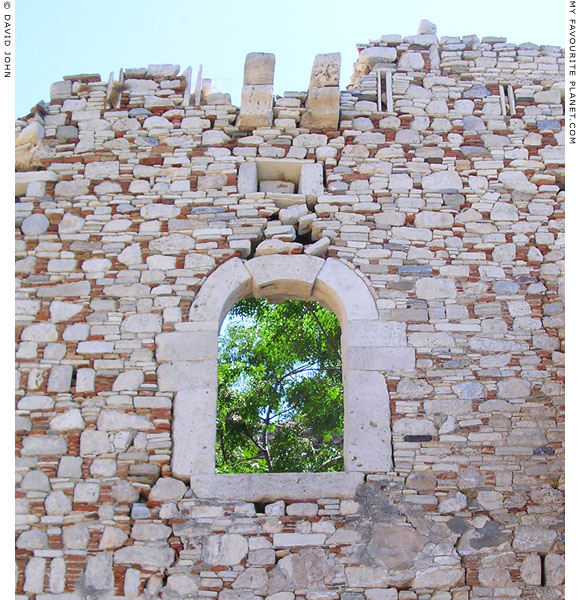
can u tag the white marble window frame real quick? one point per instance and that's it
(371, 349)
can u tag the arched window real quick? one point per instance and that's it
(371, 349)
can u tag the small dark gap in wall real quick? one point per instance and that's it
(305, 238)
(260, 507)
(543, 570)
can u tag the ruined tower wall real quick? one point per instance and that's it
(437, 177)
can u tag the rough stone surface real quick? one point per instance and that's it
(434, 215)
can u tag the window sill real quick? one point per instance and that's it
(268, 487)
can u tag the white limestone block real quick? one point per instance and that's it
(322, 108)
(248, 178)
(60, 378)
(115, 420)
(221, 290)
(157, 123)
(529, 538)
(160, 211)
(129, 380)
(284, 276)
(35, 480)
(77, 332)
(434, 219)
(131, 255)
(432, 288)
(94, 443)
(407, 136)
(431, 339)
(151, 532)
(182, 584)
(373, 55)
(516, 180)
(311, 180)
(194, 431)
(43, 445)
(259, 68)
(75, 537)
(57, 575)
(370, 358)
(35, 225)
(287, 540)
(214, 137)
(57, 503)
(70, 467)
(514, 388)
(186, 345)
(325, 71)
(113, 537)
(70, 420)
(151, 557)
(256, 108)
(36, 402)
(366, 409)
(339, 288)
(34, 575)
(503, 211)
(174, 243)
(142, 323)
(442, 181)
(98, 170)
(69, 189)
(531, 570)
(226, 549)
(86, 492)
(411, 61)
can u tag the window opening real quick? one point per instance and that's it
(280, 392)
(384, 90)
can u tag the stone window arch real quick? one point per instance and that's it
(370, 348)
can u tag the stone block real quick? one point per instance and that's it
(158, 557)
(227, 549)
(366, 409)
(32, 539)
(35, 225)
(322, 108)
(528, 538)
(186, 345)
(411, 61)
(114, 420)
(325, 71)
(311, 180)
(259, 68)
(269, 487)
(75, 537)
(94, 442)
(290, 540)
(60, 378)
(442, 181)
(43, 445)
(70, 420)
(34, 575)
(431, 288)
(248, 178)
(284, 276)
(194, 430)
(57, 575)
(256, 108)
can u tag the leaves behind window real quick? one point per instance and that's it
(280, 396)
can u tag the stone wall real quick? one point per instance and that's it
(437, 178)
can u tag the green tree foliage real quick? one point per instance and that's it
(280, 398)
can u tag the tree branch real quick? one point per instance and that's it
(324, 333)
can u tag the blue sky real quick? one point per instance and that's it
(66, 37)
